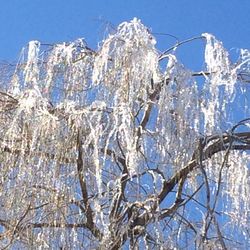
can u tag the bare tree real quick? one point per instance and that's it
(123, 147)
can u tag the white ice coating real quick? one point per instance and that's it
(220, 82)
(218, 63)
(68, 90)
(127, 61)
(31, 70)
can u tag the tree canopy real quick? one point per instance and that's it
(124, 146)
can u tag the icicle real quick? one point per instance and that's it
(15, 86)
(220, 86)
(218, 64)
(31, 71)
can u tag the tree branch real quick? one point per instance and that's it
(89, 213)
(214, 148)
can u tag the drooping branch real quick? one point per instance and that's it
(88, 210)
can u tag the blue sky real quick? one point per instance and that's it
(52, 21)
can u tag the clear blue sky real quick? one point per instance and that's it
(65, 20)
